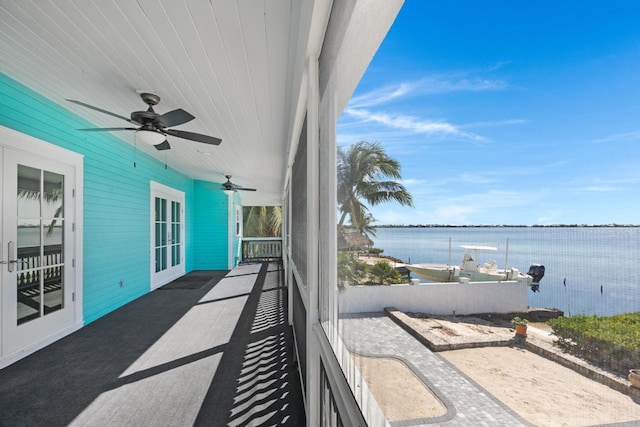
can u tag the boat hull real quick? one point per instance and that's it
(433, 272)
(446, 274)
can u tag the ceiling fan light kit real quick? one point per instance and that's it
(149, 137)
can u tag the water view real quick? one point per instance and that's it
(30, 236)
(589, 270)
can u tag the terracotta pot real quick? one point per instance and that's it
(521, 330)
(634, 377)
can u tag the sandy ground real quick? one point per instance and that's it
(400, 394)
(541, 391)
(372, 259)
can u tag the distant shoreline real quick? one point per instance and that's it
(508, 226)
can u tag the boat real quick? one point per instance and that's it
(470, 270)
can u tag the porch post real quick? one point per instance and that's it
(313, 206)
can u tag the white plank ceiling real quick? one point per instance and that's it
(230, 63)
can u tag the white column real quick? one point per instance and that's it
(313, 207)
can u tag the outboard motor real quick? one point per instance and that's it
(536, 271)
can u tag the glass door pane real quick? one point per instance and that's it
(53, 243)
(28, 244)
(161, 234)
(175, 233)
(40, 222)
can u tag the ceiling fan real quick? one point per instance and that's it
(229, 186)
(153, 127)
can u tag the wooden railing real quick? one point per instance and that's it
(261, 248)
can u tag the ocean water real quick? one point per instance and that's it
(30, 236)
(589, 270)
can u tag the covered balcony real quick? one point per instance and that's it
(137, 113)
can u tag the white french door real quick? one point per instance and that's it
(37, 249)
(167, 234)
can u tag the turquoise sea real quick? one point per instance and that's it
(589, 270)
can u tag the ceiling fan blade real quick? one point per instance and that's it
(230, 186)
(175, 118)
(103, 111)
(105, 129)
(163, 145)
(205, 139)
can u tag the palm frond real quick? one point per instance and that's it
(366, 174)
(49, 197)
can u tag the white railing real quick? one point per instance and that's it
(31, 263)
(259, 248)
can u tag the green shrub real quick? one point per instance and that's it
(350, 270)
(519, 321)
(383, 273)
(353, 272)
(612, 342)
(375, 251)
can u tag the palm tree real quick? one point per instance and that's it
(262, 221)
(364, 225)
(363, 176)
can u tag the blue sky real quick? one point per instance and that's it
(507, 112)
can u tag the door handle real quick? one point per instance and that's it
(11, 250)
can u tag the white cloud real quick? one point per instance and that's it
(508, 122)
(437, 85)
(599, 189)
(413, 124)
(361, 106)
(629, 136)
(431, 216)
(599, 185)
(378, 134)
(490, 199)
(489, 207)
(426, 86)
(484, 177)
(394, 217)
(382, 95)
(555, 217)
(412, 181)
(454, 214)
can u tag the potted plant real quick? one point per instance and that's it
(634, 377)
(520, 326)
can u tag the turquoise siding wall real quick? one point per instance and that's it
(116, 201)
(210, 242)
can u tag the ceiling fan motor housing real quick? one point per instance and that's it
(148, 118)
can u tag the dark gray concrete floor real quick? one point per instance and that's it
(210, 349)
